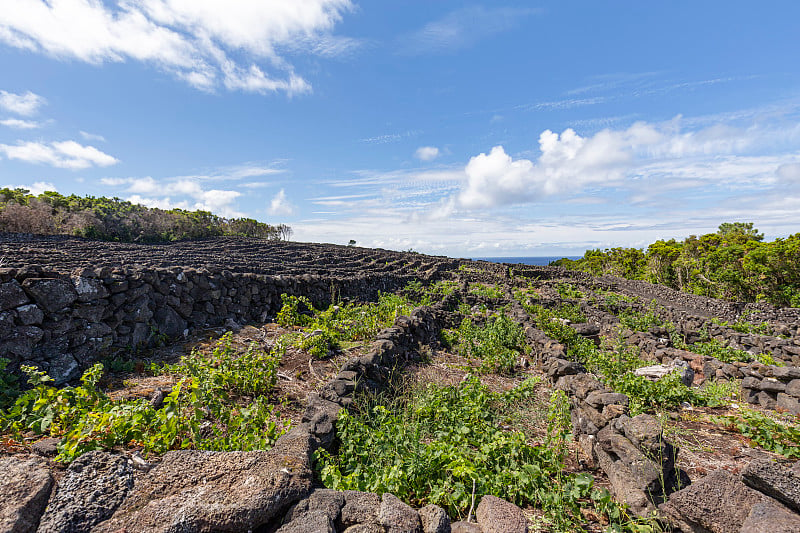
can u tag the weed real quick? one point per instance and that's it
(337, 324)
(486, 291)
(219, 404)
(497, 345)
(640, 321)
(434, 445)
(568, 290)
(743, 326)
(717, 350)
(775, 435)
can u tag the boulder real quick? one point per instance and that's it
(579, 385)
(12, 295)
(169, 322)
(788, 403)
(793, 388)
(625, 486)
(496, 515)
(719, 503)
(645, 432)
(774, 480)
(465, 527)
(365, 528)
(52, 294)
(397, 516)
(327, 501)
(217, 491)
(89, 289)
(30, 314)
(434, 519)
(25, 486)
(599, 399)
(360, 508)
(656, 372)
(771, 517)
(95, 485)
(63, 367)
(310, 522)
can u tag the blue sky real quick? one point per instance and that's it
(463, 129)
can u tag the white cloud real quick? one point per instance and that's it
(63, 154)
(92, 137)
(19, 124)
(206, 43)
(624, 186)
(462, 28)
(182, 193)
(280, 205)
(426, 153)
(21, 104)
(569, 163)
(789, 172)
(37, 188)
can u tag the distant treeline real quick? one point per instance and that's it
(112, 219)
(734, 263)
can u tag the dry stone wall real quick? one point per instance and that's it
(65, 302)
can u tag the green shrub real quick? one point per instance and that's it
(568, 290)
(486, 291)
(717, 350)
(640, 321)
(497, 345)
(436, 444)
(295, 311)
(220, 404)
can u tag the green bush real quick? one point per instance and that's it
(497, 345)
(337, 324)
(640, 321)
(434, 445)
(220, 404)
(717, 350)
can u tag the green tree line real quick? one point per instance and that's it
(113, 219)
(735, 263)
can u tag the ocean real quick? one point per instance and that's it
(541, 260)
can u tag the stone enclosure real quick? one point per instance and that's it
(65, 302)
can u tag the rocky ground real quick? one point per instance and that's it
(709, 476)
(256, 256)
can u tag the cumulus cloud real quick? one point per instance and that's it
(63, 154)
(280, 205)
(21, 104)
(181, 193)
(19, 124)
(426, 153)
(205, 43)
(569, 162)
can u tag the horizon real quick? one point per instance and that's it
(479, 130)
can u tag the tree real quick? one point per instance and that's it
(730, 229)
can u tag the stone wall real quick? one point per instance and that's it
(242, 491)
(63, 322)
